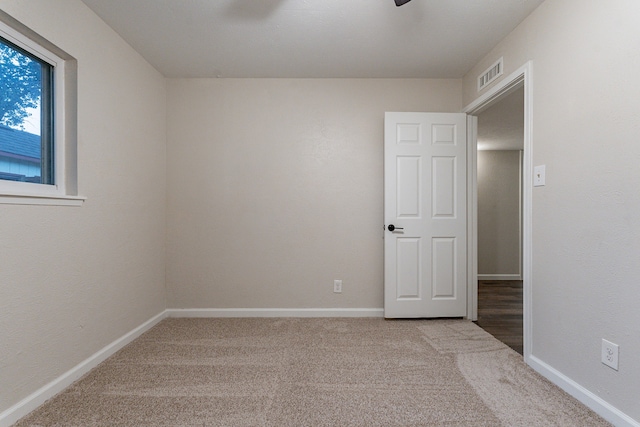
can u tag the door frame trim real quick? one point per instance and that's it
(523, 76)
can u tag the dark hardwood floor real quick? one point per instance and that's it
(500, 310)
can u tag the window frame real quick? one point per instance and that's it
(63, 191)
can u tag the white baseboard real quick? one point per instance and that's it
(587, 398)
(275, 312)
(37, 398)
(499, 277)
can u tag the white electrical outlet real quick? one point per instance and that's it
(610, 354)
(337, 286)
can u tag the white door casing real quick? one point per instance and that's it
(426, 200)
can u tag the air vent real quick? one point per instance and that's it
(490, 74)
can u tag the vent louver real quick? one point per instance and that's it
(490, 74)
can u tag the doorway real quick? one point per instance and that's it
(500, 144)
(520, 80)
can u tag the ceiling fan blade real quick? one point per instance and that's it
(401, 2)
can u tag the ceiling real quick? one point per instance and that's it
(313, 38)
(501, 126)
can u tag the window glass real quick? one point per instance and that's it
(26, 125)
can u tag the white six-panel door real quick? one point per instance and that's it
(425, 200)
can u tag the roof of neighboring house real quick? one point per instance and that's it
(17, 143)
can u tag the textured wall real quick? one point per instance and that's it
(74, 279)
(275, 188)
(586, 228)
(499, 213)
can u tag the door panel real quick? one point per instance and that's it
(409, 174)
(444, 271)
(443, 186)
(425, 198)
(408, 272)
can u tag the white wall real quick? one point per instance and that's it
(275, 188)
(586, 220)
(499, 214)
(73, 279)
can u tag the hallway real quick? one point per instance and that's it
(500, 310)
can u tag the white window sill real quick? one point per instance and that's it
(13, 199)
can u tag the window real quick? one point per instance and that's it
(37, 119)
(26, 146)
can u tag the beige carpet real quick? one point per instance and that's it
(313, 372)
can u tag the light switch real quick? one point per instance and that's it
(538, 176)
